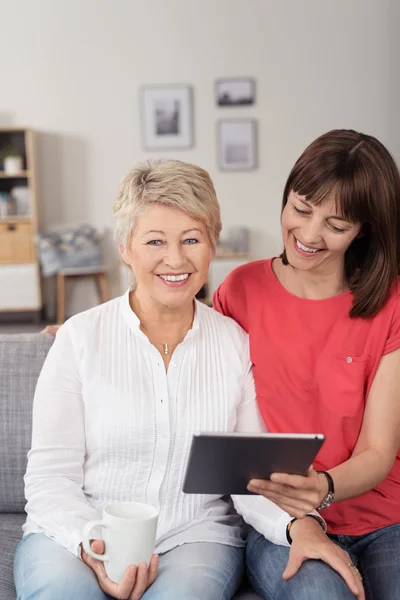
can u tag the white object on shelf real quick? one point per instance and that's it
(19, 287)
(12, 165)
(22, 198)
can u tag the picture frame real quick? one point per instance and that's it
(167, 117)
(239, 91)
(237, 144)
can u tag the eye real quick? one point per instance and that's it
(337, 229)
(301, 212)
(154, 243)
(190, 241)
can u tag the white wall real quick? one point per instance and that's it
(71, 69)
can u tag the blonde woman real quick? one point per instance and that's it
(121, 392)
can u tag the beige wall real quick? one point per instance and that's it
(72, 69)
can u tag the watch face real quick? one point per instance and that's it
(327, 501)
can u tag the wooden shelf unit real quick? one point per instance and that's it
(18, 256)
(20, 175)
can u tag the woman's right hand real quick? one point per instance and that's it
(310, 542)
(52, 329)
(135, 581)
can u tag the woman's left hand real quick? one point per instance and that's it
(295, 494)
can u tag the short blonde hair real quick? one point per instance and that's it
(171, 183)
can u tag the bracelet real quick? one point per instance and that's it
(289, 526)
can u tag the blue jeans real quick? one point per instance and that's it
(44, 570)
(376, 555)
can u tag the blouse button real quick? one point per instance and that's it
(349, 359)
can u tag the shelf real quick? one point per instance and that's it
(231, 255)
(16, 219)
(20, 175)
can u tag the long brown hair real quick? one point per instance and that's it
(365, 181)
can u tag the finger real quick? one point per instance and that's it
(52, 329)
(297, 481)
(344, 569)
(97, 546)
(293, 565)
(153, 569)
(141, 583)
(312, 497)
(295, 509)
(121, 590)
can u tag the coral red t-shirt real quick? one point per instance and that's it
(313, 368)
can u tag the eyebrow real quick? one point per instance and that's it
(331, 217)
(163, 232)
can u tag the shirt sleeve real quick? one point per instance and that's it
(262, 514)
(54, 477)
(393, 340)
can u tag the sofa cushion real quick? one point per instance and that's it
(10, 535)
(21, 359)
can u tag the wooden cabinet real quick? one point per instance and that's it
(16, 243)
(18, 222)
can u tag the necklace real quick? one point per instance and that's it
(165, 346)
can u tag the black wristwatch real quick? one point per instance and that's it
(329, 498)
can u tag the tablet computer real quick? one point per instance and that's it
(224, 463)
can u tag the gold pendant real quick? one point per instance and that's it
(165, 348)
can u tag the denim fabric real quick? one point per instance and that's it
(44, 570)
(376, 555)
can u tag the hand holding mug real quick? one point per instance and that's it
(136, 579)
(123, 561)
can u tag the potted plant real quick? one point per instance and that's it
(12, 160)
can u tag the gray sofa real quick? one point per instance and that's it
(21, 358)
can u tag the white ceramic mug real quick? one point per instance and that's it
(129, 536)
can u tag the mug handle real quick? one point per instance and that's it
(86, 539)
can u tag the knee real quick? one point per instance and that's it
(61, 585)
(315, 580)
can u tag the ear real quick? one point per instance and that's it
(124, 254)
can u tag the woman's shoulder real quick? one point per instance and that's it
(86, 321)
(247, 273)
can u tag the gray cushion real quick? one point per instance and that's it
(21, 359)
(10, 535)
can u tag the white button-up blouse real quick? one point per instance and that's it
(110, 424)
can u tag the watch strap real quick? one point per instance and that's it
(329, 498)
(317, 518)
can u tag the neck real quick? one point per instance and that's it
(314, 285)
(155, 316)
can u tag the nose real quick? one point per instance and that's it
(174, 256)
(311, 231)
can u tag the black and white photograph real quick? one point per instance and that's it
(237, 144)
(235, 92)
(166, 117)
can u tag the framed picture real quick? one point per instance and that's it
(237, 144)
(166, 117)
(235, 92)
